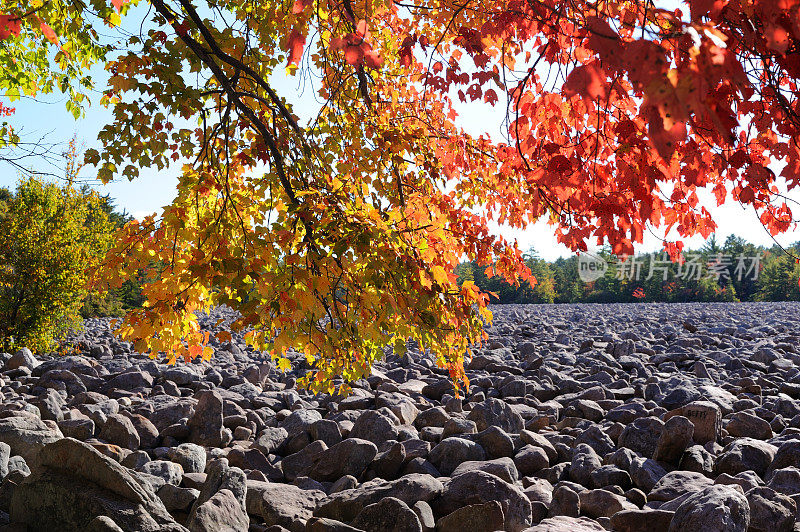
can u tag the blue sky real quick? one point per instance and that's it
(154, 189)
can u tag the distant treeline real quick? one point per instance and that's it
(733, 271)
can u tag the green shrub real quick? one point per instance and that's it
(51, 241)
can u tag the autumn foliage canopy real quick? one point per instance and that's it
(338, 235)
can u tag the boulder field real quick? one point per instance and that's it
(630, 418)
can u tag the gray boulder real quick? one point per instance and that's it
(388, 515)
(564, 523)
(451, 452)
(484, 516)
(347, 504)
(220, 476)
(478, 487)
(642, 436)
(677, 483)
(348, 457)
(675, 437)
(23, 357)
(746, 453)
(221, 513)
(206, 423)
(72, 484)
(717, 508)
(503, 468)
(494, 412)
(375, 426)
(27, 434)
(584, 462)
(282, 504)
(770, 511)
(119, 430)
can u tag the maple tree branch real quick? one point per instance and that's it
(205, 57)
(362, 76)
(439, 42)
(31, 12)
(232, 61)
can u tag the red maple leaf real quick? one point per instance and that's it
(181, 29)
(587, 80)
(296, 43)
(300, 5)
(353, 54)
(9, 25)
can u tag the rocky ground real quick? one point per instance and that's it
(587, 417)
